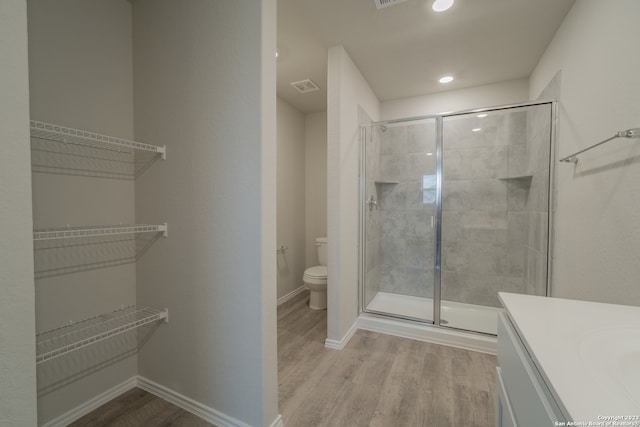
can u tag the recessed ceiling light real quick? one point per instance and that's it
(476, 129)
(481, 116)
(429, 154)
(441, 5)
(446, 79)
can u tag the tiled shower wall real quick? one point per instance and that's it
(495, 204)
(484, 207)
(495, 192)
(539, 152)
(401, 180)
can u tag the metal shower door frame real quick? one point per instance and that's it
(439, 118)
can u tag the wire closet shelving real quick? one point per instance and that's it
(107, 230)
(59, 251)
(65, 339)
(62, 150)
(56, 133)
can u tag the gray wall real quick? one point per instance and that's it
(597, 237)
(17, 349)
(204, 74)
(315, 183)
(81, 76)
(291, 197)
(302, 192)
(501, 93)
(347, 90)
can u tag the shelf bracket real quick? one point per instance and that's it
(164, 228)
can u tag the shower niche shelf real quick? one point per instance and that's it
(523, 177)
(65, 339)
(386, 182)
(63, 150)
(59, 251)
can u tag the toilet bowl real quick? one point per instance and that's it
(315, 278)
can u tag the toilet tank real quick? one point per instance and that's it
(321, 246)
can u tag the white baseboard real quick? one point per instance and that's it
(190, 405)
(278, 422)
(291, 294)
(83, 409)
(340, 344)
(205, 412)
(442, 336)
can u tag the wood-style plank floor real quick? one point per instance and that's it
(138, 408)
(377, 381)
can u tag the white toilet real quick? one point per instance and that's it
(315, 278)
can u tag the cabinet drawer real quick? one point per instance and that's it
(527, 393)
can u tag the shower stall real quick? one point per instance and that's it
(454, 209)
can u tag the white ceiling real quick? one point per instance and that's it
(404, 49)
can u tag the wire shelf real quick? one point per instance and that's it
(75, 232)
(62, 150)
(63, 340)
(67, 135)
(71, 250)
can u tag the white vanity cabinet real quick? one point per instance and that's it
(567, 362)
(523, 398)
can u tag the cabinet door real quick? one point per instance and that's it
(504, 413)
(529, 396)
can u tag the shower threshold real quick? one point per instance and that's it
(470, 317)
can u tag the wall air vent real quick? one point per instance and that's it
(305, 86)
(381, 4)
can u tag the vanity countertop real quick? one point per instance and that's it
(588, 354)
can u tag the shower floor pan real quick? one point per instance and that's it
(458, 315)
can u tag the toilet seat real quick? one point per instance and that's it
(319, 271)
(315, 275)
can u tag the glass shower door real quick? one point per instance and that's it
(495, 211)
(398, 215)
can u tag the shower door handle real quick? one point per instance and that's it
(372, 203)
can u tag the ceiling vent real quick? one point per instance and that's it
(305, 86)
(381, 4)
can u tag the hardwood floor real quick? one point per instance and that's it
(138, 408)
(377, 380)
